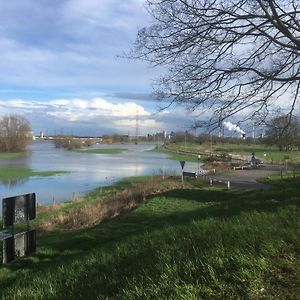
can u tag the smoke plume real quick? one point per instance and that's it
(233, 127)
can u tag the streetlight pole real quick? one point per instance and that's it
(199, 156)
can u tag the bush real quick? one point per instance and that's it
(15, 133)
(68, 142)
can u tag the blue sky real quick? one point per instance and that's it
(60, 67)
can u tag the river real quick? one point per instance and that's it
(86, 171)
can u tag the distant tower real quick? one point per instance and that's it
(136, 126)
(165, 134)
(41, 134)
(221, 130)
(221, 127)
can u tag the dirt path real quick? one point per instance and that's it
(246, 179)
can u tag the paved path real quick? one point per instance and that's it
(246, 179)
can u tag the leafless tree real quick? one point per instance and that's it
(225, 56)
(15, 133)
(283, 132)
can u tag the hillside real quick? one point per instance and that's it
(195, 242)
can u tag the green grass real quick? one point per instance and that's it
(11, 154)
(272, 153)
(16, 173)
(103, 151)
(178, 156)
(182, 244)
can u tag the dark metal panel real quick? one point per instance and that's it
(31, 241)
(8, 211)
(31, 206)
(8, 249)
(18, 209)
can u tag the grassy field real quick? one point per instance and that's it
(103, 151)
(267, 153)
(182, 243)
(16, 173)
(175, 154)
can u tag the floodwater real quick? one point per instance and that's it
(87, 171)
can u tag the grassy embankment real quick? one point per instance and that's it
(182, 243)
(103, 151)
(191, 150)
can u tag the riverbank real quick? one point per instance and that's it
(103, 151)
(195, 242)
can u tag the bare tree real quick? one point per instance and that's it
(225, 56)
(283, 132)
(15, 133)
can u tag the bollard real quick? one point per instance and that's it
(228, 184)
(211, 181)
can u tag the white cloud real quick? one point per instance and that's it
(148, 123)
(68, 48)
(93, 113)
(96, 107)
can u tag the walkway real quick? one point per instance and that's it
(246, 179)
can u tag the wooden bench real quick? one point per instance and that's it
(189, 174)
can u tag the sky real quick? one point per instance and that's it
(62, 67)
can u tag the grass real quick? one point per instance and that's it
(17, 173)
(174, 155)
(11, 154)
(103, 151)
(272, 153)
(182, 243)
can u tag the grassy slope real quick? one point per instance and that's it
(184, 244)
(103, 151)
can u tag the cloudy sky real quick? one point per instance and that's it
(60, 66)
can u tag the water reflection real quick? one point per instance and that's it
(87, 171)
(10, 183)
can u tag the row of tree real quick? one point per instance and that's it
(16, 134)
(281, 131)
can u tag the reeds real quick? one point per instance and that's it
(107, 206)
